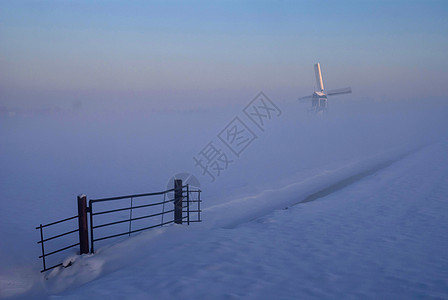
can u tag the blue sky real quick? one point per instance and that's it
(61, 51)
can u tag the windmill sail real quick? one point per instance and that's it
(320, 83)
(305, 99)
(346, 90)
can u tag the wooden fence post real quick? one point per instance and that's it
(82, 222)
(178, 201)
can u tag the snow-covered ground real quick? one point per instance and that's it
(377, 234)
(383, 236)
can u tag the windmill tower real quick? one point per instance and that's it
(319, 99)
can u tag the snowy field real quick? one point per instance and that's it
(377, 175)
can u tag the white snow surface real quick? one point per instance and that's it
(382, 235)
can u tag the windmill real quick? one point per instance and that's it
(319, 100)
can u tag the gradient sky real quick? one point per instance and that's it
(57, 52)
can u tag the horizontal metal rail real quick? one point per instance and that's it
(50, 268)
(59, 250)
(132, 196)
(133, 219)
(133, 231)
(131, 207)
(56, 236)
(57, 222)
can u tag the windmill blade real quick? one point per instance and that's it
(346, 90)
(305, 99)
(318, 73)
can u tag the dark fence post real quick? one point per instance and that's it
(82, 222)
(42, 245)
(188, 205)
(178, 201)
(91, 226)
